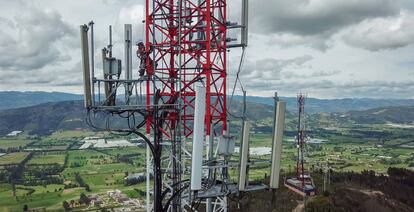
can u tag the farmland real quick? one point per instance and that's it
(48, 158)
(59, 171)
(13, 158)
(49, 176)
(6, 143)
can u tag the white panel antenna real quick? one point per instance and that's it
(245, 22)
(198, 138)
(244, 156)
(128, 56)
(279, 127)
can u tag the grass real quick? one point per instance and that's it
(51, 200)
(71, 134)
(13, 158)
(50, 144)
(123, 151)
(47, 158)
(6, 143)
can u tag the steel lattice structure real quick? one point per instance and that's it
(185, 47)
(301, 138)
(188, 46)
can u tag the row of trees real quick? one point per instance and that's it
(81, 182)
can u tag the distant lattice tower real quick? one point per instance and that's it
(301, 136)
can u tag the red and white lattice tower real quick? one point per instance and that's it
(188, 42)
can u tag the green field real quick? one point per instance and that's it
(6, 143)
(13, 158)
(43, 197)
(47, 158)
(71, 134)
(105, 169)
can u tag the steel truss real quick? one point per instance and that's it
(186, 43)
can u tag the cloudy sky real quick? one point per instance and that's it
(326, 48)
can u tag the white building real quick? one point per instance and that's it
(14, 133)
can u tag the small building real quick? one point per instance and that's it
(14, 133)
(95, 200)
(123, 198)
(114, 193)
(118, 196)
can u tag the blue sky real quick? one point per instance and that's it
(326, 48)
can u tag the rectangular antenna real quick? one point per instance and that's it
(128, 59)
(244, 156)
(245, 22)
(198, 137)
(128, 51)
(85, 66)
(92, 55)
(278, 128)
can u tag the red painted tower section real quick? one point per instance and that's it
(188, 48)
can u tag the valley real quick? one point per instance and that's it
(58, 162)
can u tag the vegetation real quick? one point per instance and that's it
(13, 158)
(48, 169)
(13, 144)
(347, 191)
(48, 158)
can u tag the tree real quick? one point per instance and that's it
(66, 205)
(25, 207)
(87, 188)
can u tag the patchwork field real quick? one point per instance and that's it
(14, 143)
(13, 158)
(46, 182)
(47, 158)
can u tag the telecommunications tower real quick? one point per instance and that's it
(177, 103)
(302, 183)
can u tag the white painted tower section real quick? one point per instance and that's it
(198, 138)
(279, 127)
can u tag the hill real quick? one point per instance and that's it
(400, 115)
(45, 118)
(16, 99)
(314, 105)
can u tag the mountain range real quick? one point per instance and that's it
(314, 105)
(44, 119)
(15, 99)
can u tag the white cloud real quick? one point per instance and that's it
(331, 35)
(31, 41)
(313, 22)
(382, 33)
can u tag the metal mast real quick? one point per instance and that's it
(187, 42)
(301, 136)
